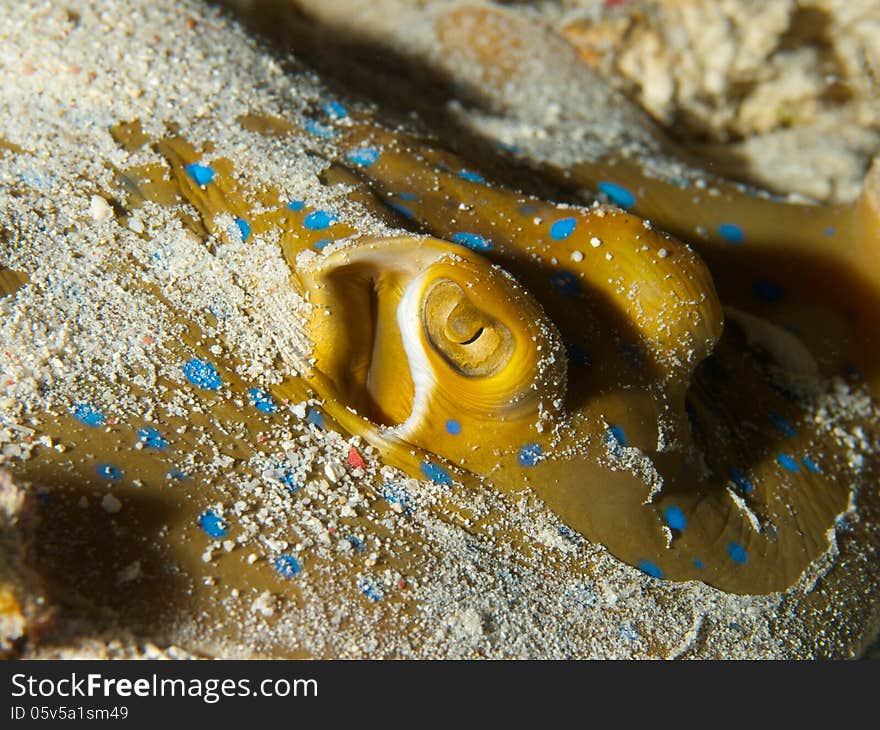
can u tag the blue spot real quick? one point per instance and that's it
(213, 525)
(811, 465)
(578, 355)
(472, 241)
(527, 209)
(318, 129)
(737, 553)
(740, 480)
(262, 400)
(286, 476)
(108, 471)
(395, 494)
(202, 174)
(675, 518)
(86, 413)
(318, 220)
(829, 231)
(364, 157)
(529, 455)
(324, 242)
(566, 532)
(616, 435)
(402, 209)
(286, 566)
(471, 176)
(566, 283)
(563, 228)
(370, 589)
(618, 194)
(244, 228)
(698, 564)
(786, 462)
(783, 425)
(177, 475)
(408, 196)
(646, 566)
(315, 417)
(202, 374)
(296, 205)
(335, 109)
(152, 439)
(436, 474)
(453, 427)
(731, 233)
(768, 291)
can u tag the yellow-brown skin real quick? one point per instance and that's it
(641, 305)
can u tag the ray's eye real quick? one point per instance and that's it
(471, 341)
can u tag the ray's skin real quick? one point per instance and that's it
(458, 346)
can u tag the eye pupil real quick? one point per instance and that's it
(472, 340)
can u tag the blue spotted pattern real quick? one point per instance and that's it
(396, 494)
(335, 109)
(529, 455)
(473, 241)
(201, 174)
(453, 427)
(315, 417)
(152, 439)
(740, 480)
(318, 220)
(787, 462)
(737, 553)
(364, 157)
(471, 176)
(647, 567)
(563, 228)
(213, 525)
(287, 566)
(616, 435)
(675, 517)
(202, 374)
(731, 233)
(262, 400)
(318, 129)
(86, 413)
(244, 228)
(618, 194)
(371, 589)
(436, 474)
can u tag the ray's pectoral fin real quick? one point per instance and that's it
(714, 471)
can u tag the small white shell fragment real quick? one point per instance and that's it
(99, 208)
